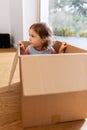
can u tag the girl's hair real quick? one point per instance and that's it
(44, 31)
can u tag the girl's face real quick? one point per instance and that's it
(35, 39)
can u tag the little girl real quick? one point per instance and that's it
(40, 39)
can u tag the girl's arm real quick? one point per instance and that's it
(23, 50)
(53, 50)
(26, 51)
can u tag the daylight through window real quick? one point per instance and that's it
(66, 17)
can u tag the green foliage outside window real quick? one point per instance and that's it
(68, 17)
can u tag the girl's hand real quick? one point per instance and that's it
(21, 45)
(63, 47)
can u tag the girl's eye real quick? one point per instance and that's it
(32, 36)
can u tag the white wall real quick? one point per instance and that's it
(4, 16)
(30, 15)
(16, 18)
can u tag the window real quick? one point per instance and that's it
(68, 18)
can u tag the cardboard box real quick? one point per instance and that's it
(54, 87)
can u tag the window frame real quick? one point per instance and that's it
(44, 13)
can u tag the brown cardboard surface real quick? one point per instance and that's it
(53, 73)
(73, 49)
(51, 109)
(54, 87)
